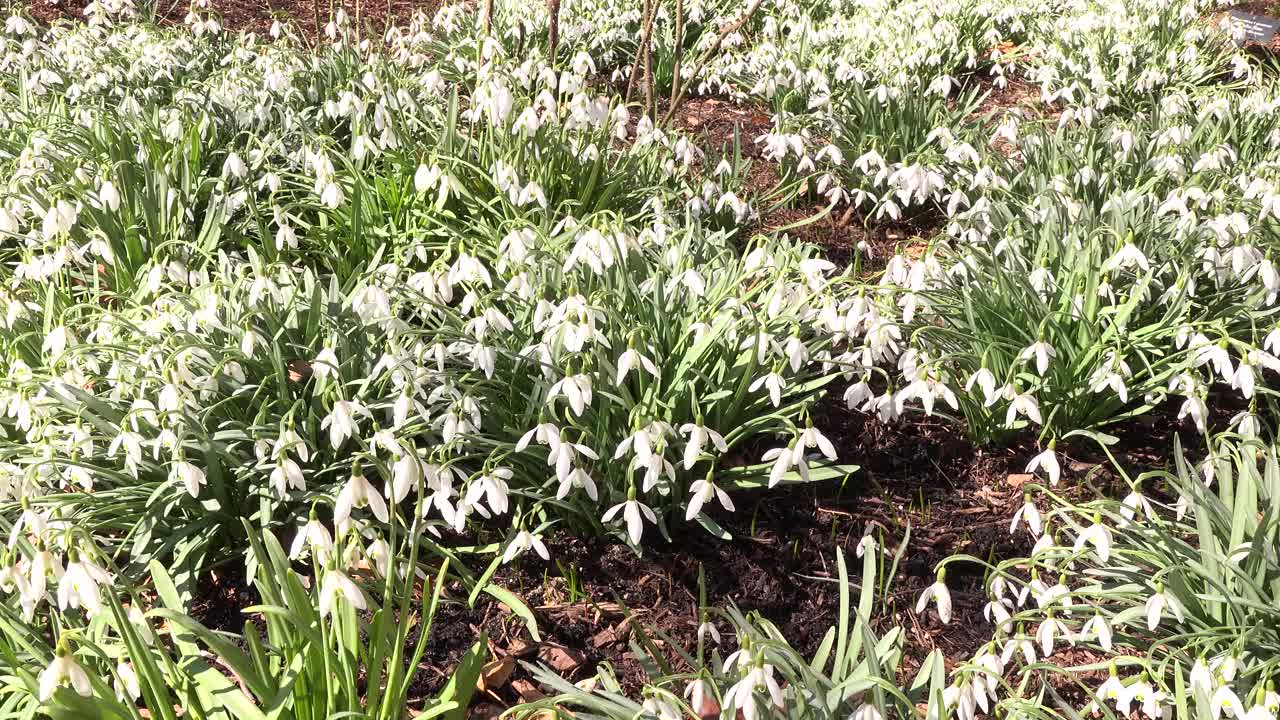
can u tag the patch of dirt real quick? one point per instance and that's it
(848, 237)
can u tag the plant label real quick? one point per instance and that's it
(1257, 28)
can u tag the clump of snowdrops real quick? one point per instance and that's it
(1170, 592)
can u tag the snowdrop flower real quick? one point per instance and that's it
(940, 595)
(1048, 462)
(774, 383)
(126, 684)
(1023, 404)
(492, 486)
(79, 586)
(632, 513)
(1133, 505)
(234, 166)
(313, 537)
(63, 670)
(985, 382)
(342, 421)
(1097, 628)
(812, 437)
(109, 196)
(698, 437)
(1201, 678)
(741, 694)
(1028, 513)
(1097, 535)
(1050, 629)
(522, 543)
(1127, 257)
(189, 476)
(337, 584)
(708, 628)
(1225, 702)
(1042, 352)
(632, 358)
(576, 389)
(1157, 603)
(703, 490)
(1113, 691)
(357, 492)
(1150, 700)
(406, 475)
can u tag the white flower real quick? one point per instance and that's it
(406, 474)
(342, 421)
(1127, 257)
(698, 436)
(812, 437)
(742, 694)
(188, 475)
(522, 543)
(63, 669)
(1099, 629)
(1099, 536)
(576, 389)
(702, 491)
(1048, 462)
(632, 358)
(337, 584)
(1201, 678)
(941, 597)
(79, 586)
(491, 485)
(314, 537)
(1042, 351)
(1050, 629)
(1225, 702)
(1023, 404)
(127, 684)
(357, 492)
(325, 364)
(774, 383)
(1114, 691)
(1156, 605)
(1031, 514)
(632, 510)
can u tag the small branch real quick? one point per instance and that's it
(647, 15)
(706, 57)
(679, 51)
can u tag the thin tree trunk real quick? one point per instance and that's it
(553, 29)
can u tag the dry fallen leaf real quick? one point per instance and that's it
(561, 659)
(527, 691)
(495, 675)
(299, 370)
(1019, 479)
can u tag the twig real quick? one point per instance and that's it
(679, 50)
(706, 57)
(488, 17)
(647, 14)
